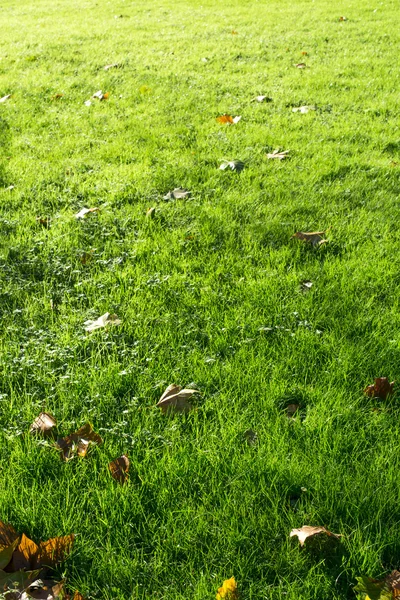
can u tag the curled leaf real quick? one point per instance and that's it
(313, 237)
(175, 399)
(119, 468)
(280, 155)
(77, 443)
(177, 194)
(86, 211)
(380, 389)
(308, 531)
(234, 165)
(43, 424)
(103, 321)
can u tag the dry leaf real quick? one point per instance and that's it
(6, 553)
(313, 237)
(177, 193)
(175, 399)
(234, 165)
(306, 285)
(77, 443)
(77, 596)
(44, 423)
(5, 98)
(86, 211)
(291, 410)
(11, 187)
(55, 550)
(112, 66)
(380, 389)
(57, 96)
(100, 96)
(228, 590)
(301, 66)
(280, 155)
(304, 53)
(25, 555)
(251, 437)
(233, 32)
(102, 321)
(228, 119)
(303, 109)
(45, 590)
(44, 221)
(307, 531)
(88, 103)
(86, 257)
(342, 19)
(150, 214)
(262, 99)
(374, 589)
(119, 468)
(8, 535)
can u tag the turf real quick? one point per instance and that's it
(208, 291)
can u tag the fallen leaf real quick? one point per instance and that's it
(342, 19)
(177, 194)
(11, 187)
(45, 589)
(304, 53)
(175, 399)
(8, 535)
(55, 550)
(291, 410)
(380, 389)
(86, 257)
(5, 98)
(307, 531)
(44, 423)
(77, 443)
(228, 119)
(100, 96)
(313, 237)
(57, 96)
(251, 437)
(280, 155)
(373, 589)
(301, 66)
(262, 99)
(44, 222)
(234, 165)
(306, 285)
(303, 109)
(86, 211)
(119, 468)
(77, 596)
(233, 32)
(150, 214)
(102, 321)
(228, 590)
(25, 555)
(88, 103)
(112, 66)
(6, 554)
(14, 585)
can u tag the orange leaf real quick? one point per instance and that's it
(380, 389)
(55, 550)
(25, 556)
(228, 119)
(119, 468)
(8, 535)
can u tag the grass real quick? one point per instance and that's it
(197, 286)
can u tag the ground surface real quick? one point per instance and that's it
(209, 291)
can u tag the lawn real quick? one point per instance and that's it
(209, 289)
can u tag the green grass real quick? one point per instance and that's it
(195, 287)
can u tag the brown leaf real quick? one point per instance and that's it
(307, 531)
(8, 535)
(55, 550)
(291, 410)
(228, 119)
(342, 19)
(86, 211)
(57, 96)
(304, 53)
(44, 221)
(380, 389)
(86, 257)
(78, 596)
(44, 423)
(25, 555)
(301, 66)
(5, 98)
(119, 468)
(313, 237)
(77, 443)
(175, 399)
(6, 554)
(46, 590)
(280, 155)
(103, 321)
